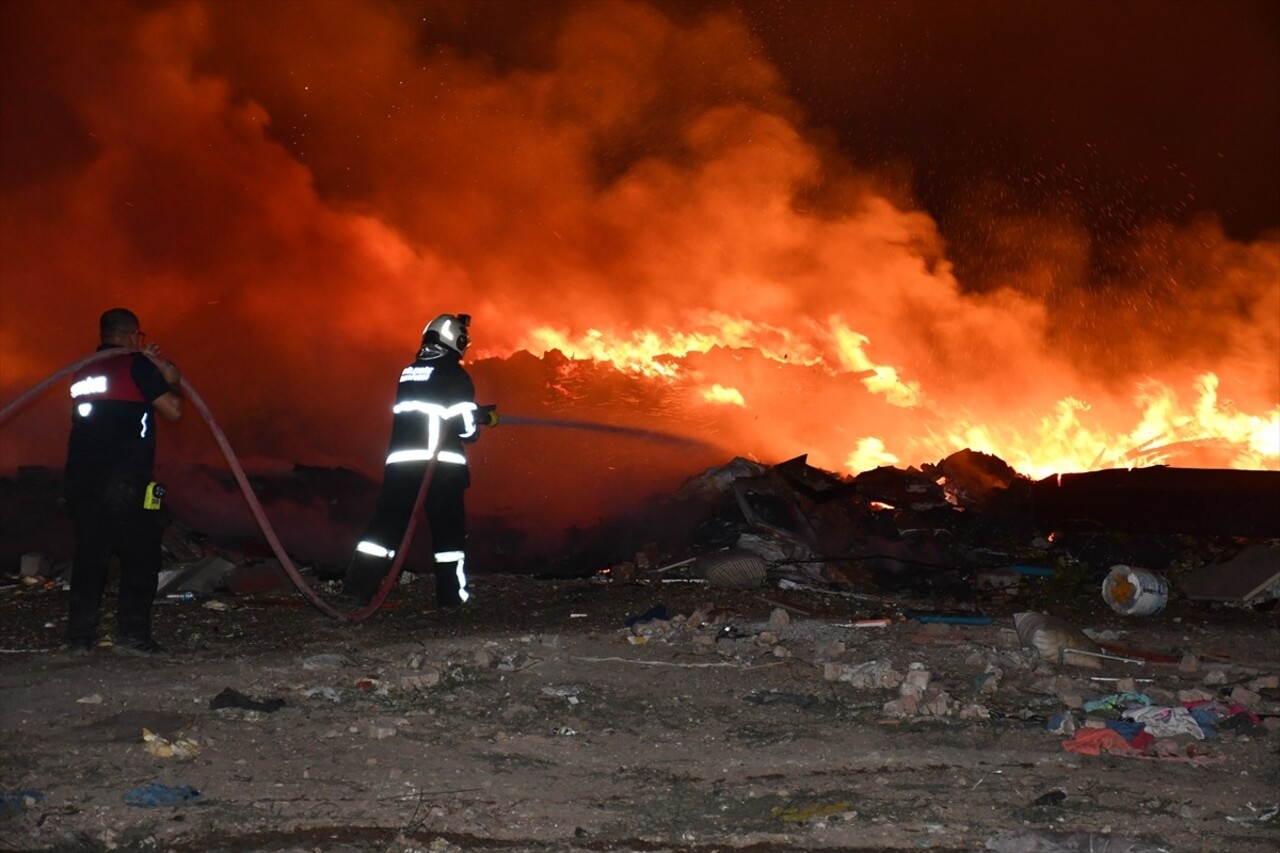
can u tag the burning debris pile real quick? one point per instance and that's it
(951, 530)
(944, 537)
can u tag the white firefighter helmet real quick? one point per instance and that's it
(449, 330)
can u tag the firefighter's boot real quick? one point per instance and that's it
(451, 579)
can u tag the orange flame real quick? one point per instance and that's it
(1158, 428)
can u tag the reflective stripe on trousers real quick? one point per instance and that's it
(373, 549)
(460, 558)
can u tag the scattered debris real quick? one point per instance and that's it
(733, 569)
(232, 698)
(787, 569)
(1261, 814)
(1053, 798)
(155, 794)
(1135, 592)
(180, 748)
(1049, 841)
(206, 575)
(1056, 640)
(1249, 577)
(15, 801)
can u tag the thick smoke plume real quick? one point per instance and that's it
(286, 193)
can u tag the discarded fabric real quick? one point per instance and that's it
(15, 801)
(1166, 722)
(231, 698)
(1128, 729)
(154, 794)
(1117, 700)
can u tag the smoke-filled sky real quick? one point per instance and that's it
(874, 232)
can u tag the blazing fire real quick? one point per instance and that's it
(1161, 427)
(647, 226)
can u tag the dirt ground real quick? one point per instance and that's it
(535, 719)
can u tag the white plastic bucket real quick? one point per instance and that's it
(1135, 592)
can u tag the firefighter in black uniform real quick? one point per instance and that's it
(434, 416)
(110, 494)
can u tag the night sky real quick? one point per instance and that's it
(1133, 110)
(909, 227)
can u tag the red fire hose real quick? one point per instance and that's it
(254, 505)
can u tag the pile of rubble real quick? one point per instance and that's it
(969, 526)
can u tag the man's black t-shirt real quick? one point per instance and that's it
(112, 420)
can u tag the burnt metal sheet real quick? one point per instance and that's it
(1244, 577)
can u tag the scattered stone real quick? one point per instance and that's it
(324, 661)
(1244, 696)
(916, 680)
(514, 662)
(324, 692)
(420, 680)
(834, 649)
(1216, 675)
(1194, 695)
(872, 674)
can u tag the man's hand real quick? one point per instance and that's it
(167, 368)
(488, 415)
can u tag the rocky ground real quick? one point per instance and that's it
(537, 719)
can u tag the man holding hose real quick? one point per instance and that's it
(113, 501)
(435, 414)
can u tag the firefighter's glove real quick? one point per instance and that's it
(489, 416)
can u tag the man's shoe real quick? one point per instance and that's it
(140, 648)
(80, 648)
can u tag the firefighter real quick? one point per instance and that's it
(112, 499)
(435, 415)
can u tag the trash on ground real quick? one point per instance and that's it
(232, 698)
(1260, 813)
(179, 748)
(15, 801)
(155, 794)
(1248, 577)
(1135, 592)
(1049, 636)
